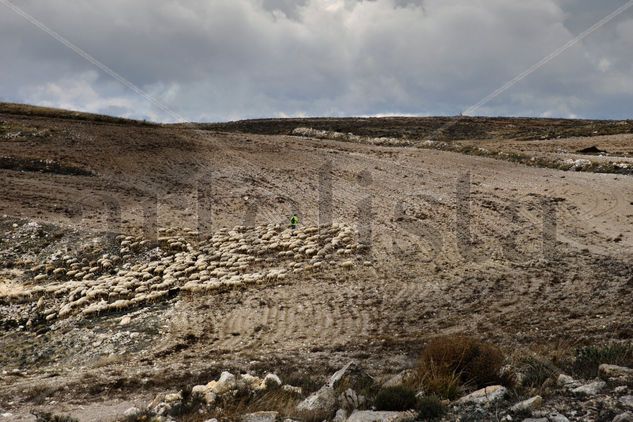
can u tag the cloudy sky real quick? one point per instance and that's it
(216, 60)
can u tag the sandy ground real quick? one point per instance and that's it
(544, 262)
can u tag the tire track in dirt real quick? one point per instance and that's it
(567, 219)
(286, 318)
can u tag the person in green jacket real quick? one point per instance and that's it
(294, 221)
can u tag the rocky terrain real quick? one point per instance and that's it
(148, 272)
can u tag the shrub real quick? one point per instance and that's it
(440, 383)
(232, 407)
(430, 407)
(395, 398)
(588, 359)
(536, 371)
(473, 361)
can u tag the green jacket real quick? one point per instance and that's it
(294, 220)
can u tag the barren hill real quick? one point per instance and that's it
(422, 242)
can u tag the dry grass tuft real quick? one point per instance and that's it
(276, 400)
(588, 359)
(449, 363)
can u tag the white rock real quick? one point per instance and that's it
(131, 412)
(627, 401)
(590, 389)
(227, 382)
(566, 381)
(529, 404)
(485, 395)
(341, 416)
(372, 416)
(624, 417)
(173, 397)
(260, 417)
(398, 379)
(557, 417)
(207, 394)
(323, 400)
(338, 375)
(272, 380)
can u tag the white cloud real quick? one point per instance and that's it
(78, 93)
(228, 59)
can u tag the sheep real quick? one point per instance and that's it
(347, 264)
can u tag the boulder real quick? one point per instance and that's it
(624, 417)
(351, 376)
(205, 392)
(398, 379)
(272, 380)
(616, 374)
(322, 401)
(485, 395)
(566, 381)
(226, 383)
(341, 416)
(627, 401)
(260, 417)
(530, 404)
(373, 416)
(590, 389)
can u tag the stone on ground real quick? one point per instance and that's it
(323, 400)
(617, 374)
(530, 404)
(260, 417)
(485, 395)
(373, 416)
(590, 389)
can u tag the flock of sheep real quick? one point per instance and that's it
(140, 272)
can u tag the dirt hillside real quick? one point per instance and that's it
(428, 242)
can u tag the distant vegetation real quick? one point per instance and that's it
(444, 128)
(436, 128)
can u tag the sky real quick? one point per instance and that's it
(219, 60)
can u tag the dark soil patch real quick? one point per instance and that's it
(41, 166)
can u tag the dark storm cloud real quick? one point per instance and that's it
(230, 59)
